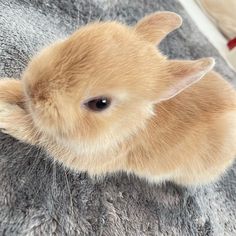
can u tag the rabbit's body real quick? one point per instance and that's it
(105, 100)
(191, 140)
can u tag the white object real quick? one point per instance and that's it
(206, 26)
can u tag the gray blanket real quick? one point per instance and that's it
(39, 197)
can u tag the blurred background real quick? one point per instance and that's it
(217, 21)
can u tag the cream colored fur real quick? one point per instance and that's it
(168, 120)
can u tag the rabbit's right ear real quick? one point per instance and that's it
(156, 26)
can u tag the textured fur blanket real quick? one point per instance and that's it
(39, 197)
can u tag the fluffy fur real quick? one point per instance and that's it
(163, 124)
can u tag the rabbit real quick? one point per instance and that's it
(105, 100)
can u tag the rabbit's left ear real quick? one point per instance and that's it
(182, 74)
(156, 26)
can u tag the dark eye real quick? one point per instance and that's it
(98, 104)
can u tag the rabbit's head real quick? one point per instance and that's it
(96, 89)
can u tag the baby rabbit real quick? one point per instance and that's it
(106, 100)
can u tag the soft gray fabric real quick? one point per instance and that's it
(38, 197)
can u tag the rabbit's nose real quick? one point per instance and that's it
(37, 94)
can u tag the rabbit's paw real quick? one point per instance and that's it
(13, 121)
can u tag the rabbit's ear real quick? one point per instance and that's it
(156, 26)
(182, 74)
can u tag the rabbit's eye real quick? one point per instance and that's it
(98, 103)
